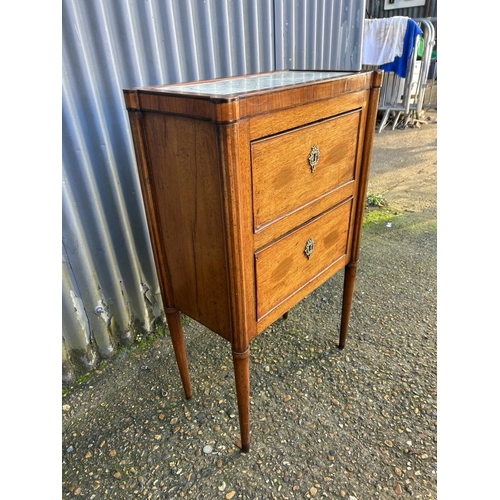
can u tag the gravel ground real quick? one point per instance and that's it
(353, 424)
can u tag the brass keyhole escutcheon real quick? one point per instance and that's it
(314, 157)
(308, 250)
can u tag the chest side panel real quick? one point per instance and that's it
(185, 169)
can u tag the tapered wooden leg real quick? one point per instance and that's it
(241, 362)
(175, 327)
(349, 281)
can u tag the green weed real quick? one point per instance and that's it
(376, 200)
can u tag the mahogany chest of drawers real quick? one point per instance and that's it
(254, 189)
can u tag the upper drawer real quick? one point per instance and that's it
(292, 169)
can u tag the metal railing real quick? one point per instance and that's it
(402, 99)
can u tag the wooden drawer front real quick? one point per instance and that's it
(282, 177)
(283, 268)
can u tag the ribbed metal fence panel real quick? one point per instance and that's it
(110, 288)
(321, 34)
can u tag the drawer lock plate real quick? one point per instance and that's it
(309, 247)
(313, 157)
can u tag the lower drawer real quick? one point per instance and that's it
(287, 265)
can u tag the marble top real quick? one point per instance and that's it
(253, 83)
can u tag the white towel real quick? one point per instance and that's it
(383, 39)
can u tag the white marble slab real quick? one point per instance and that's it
(226, 87)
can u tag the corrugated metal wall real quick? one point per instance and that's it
(110, 289)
